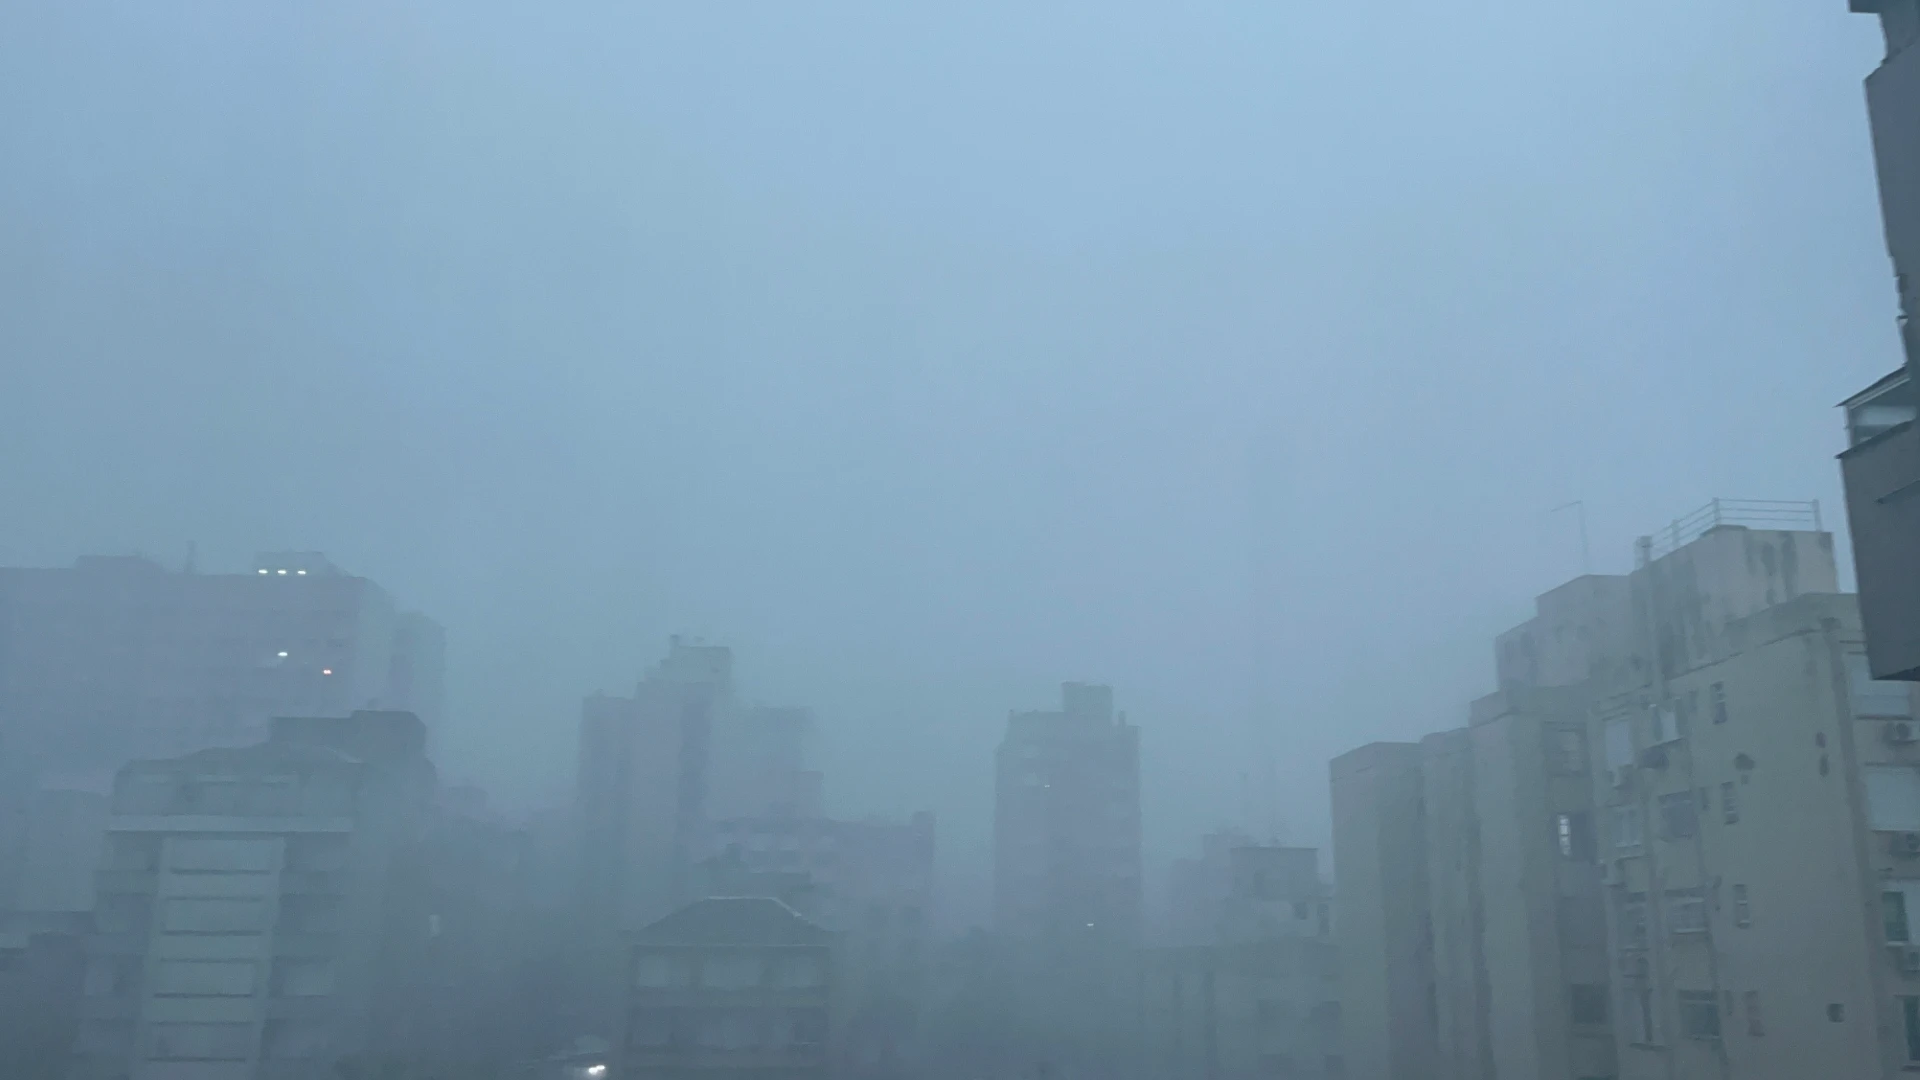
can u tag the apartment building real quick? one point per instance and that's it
(1759, 788)
(1259, 997)
(1382, 922)
(728, 987)
(642, 786)
(1881, 465)
(118, 658)
(871, 883)
(1067, 822)
(261, 911)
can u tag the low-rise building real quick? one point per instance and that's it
(262, 912)
(733, 987)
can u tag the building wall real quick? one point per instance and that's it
(1753, 867)
(1067, 823)
(1387, 994)
(1457, 911)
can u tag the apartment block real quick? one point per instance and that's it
(728, 987)
(1758, 787)
(1881, 465)
(1382, 923)
(1067, 823)
(117, 658)
(261, 912)
(642, 786)
(1258, 997)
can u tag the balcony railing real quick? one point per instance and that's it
(1791, 515)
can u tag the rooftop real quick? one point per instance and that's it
(734, 920)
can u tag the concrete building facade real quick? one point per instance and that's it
(728, 987)
(1383, 925)
(261, 911)
(1881, 465)
(1067, 823)
(1255, 995)
(1759, 787)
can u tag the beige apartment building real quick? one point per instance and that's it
(1762, 799)
(1382, 926)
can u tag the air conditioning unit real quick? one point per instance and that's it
(1623, 776)
(1899, 733)
(1909, 959)
(1906, 845)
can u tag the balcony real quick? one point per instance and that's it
(1881, 470)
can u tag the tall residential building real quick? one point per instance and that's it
(1881, 465)
(116, 658)
(1762, 798)
(1066, 826)
(1383, 929)
(262, 910)
(643, 784)
(1519, 928)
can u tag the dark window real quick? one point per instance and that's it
(1755, 1025)
(1729, 803)
(1836, 1013)
(1718, 693)
(1576, 837)
(1301, 908)
(1893, 912)
(1742, 910)
(1699, 1014)
(1678, 818)
(1589, 1004)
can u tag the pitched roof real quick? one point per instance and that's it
(734, 920)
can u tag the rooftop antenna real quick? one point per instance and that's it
(1579, 507)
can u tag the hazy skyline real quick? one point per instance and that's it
(929, 356)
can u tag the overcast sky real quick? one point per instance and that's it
(933, 353)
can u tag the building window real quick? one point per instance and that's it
(216, 916)
(1686, 912)
(1718, 696)
(1666, 724)
(1751, 1001)
(1910, 1012)
(1742, 911)
(203, 978)
(1576, 837)
(730, 972)
(1570, 751)
(1893, 797)
(296, 1040)
(1633, 923)
(1699, 1014)
(1678, 817)
(1729, 802)
(1619, 742)
(1588, 1004)
(302, 978)
(1875, 698)
(1893, 911)
(1626, 829)
(660, 971)
(199, 1042)
(798, 973)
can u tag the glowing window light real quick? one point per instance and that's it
(281, 571)
(326, 671)
(282, 654)
(263, 571)
(302, 573)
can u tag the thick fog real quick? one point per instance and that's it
(932, 354)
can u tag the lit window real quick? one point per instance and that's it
(326, 671)
(282, 654)
(302, 573)
(263, 571)
(282, 572)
